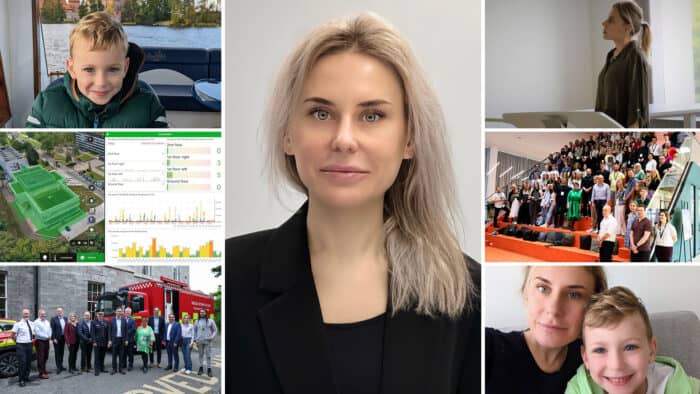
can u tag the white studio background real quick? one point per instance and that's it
(445, 36)
(662, 289)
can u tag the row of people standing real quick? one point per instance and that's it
(121, 335)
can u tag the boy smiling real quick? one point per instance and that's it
(101, 86)
(619, 351)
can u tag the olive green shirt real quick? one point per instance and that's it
(624, 86)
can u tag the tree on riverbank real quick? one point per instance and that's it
(53, 12)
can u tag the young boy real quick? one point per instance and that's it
(619, 351)
(101, 87)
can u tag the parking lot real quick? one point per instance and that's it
(134, 382)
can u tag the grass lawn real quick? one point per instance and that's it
(94, 175)
(84, 194)
(86, 157)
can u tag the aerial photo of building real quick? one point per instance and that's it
(43, 197)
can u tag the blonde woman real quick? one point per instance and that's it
(365, 288)
(543, 357)
(624, 81)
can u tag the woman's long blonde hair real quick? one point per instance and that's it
(427, 267)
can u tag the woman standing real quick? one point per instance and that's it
(624, 83)
(573, 206)
(70, 333)
(144, 342)
(365, 288)
(619, 212)
(187, 334)
(666, 237)
(543, 357)
(525, 192)
(535, 199)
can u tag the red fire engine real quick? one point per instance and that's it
(168, 295)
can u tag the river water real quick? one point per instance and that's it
(57, 44)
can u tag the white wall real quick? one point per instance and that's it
(16, 46)
(538, 56)
(445, 36)
(661, 288)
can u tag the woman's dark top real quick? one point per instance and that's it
(624, 86)
(355, 351)
(510, 367)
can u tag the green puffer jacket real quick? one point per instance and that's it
(135, 106)
(679, 383)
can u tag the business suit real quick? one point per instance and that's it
(277, 338)
(58, 340)
(130, 348)
(100, 336)
(85, 339)
(172, 343)
(157, 345)
(118, 335)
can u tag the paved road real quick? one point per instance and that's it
(134, 382)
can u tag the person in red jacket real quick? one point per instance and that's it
(70, 334)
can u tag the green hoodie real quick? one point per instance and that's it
(134, 106)
(679, 383)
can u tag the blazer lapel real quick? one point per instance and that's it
(292, 323)
(416, 350)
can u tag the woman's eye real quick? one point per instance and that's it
(321, 114)
(373, 117)
(574, 295)
(542, 289)
(114, 69)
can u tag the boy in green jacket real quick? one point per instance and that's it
(101, 87)
(619, 351)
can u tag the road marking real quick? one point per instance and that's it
(175, 382)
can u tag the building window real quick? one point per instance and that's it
(94, 291)
(147, 270)
(176, 273)
(3, 294)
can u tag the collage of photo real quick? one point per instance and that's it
(112, 191)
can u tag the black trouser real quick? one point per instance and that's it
(129, 353)
(560, 215)
(144, 358)
(664, 254)
(157, 347)
(85, 355)
(118, 354)
(72, 356)
(100, 358)
(534, 207)
(585, 199)
(599, 204)
(606, 251)
(640, 256)
(495, 215)
(24, 354)
(58, 352)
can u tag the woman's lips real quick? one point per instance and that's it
(344, 173)
(549, 326)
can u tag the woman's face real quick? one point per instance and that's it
(662, 217)
(144, 323)
(555, 298)
(348, 132)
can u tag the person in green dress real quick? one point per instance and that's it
(144, 342)
(573, 205)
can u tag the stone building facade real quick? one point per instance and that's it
(74, 288)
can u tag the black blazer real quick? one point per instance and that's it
(161, 325)
(56, 331)
(275, 341)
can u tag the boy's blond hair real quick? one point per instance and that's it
(607, 309)
(102, 30)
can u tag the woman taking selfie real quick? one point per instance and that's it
(364, 289)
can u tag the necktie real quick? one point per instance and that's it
(29, 326)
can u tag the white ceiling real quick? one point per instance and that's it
(535, 145)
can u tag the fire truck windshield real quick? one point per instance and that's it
(108, 304)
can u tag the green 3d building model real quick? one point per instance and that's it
(44, 198)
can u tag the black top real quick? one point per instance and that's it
(276, 340)
(510, 367)
(624, 86)
(355, 350)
